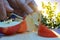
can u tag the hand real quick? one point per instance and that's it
(23, 7)
(4, 8)
(20, 7)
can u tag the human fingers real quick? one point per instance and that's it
(3, 14)
(24, 7)
(21, 6)
(7, 6)
(13, 4)
(33, 5)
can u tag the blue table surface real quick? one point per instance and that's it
(57, 30)
(27, 36)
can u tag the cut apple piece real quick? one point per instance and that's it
(45, 32)
(11, 30)
(19, 28)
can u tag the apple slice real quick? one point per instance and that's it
(11, 30)
(45, 32)
(16, 28)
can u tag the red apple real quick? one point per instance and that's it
(45, 32)
(21, 27)
(11, 30)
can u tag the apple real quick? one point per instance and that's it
(45, 32)
(13, 28)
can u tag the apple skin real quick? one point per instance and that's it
(45, 32)
(1, 30)
(19, 28)
(23, 27)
